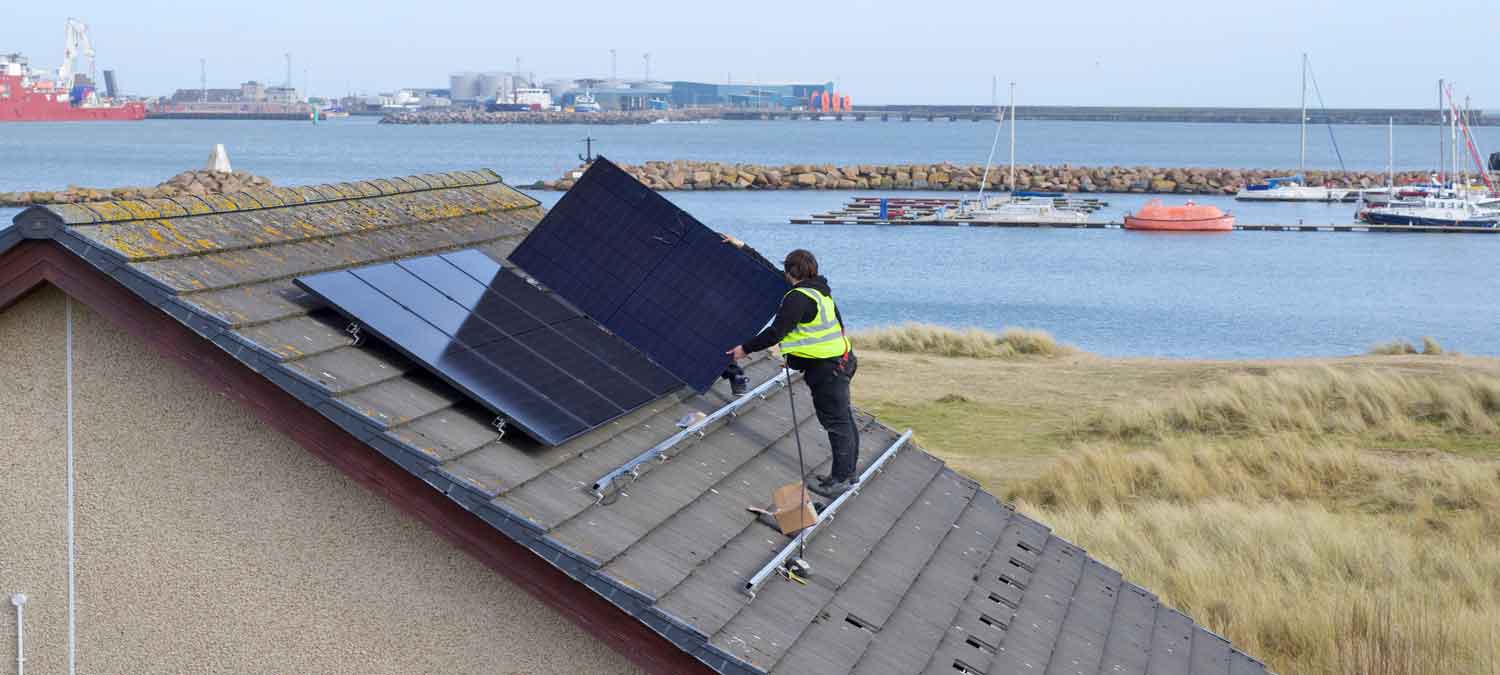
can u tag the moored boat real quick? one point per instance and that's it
(1190, 217)
(63, 96)
(1295, 188)
(1291, 189)
(1433, 212)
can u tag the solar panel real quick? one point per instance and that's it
(651, 273)
(515, 349)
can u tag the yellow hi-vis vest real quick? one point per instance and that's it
(821, 338)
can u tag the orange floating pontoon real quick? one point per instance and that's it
(1189, 217)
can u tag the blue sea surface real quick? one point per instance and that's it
(1205, 295)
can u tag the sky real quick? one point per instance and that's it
(1374, 53)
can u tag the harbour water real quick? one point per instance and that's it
(1230, 295)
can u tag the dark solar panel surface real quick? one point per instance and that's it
(651, 273)
(528, 357)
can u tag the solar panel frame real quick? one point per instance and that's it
(525, 354)
(651, 273)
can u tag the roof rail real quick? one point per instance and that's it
(827, 514)
(602, 485)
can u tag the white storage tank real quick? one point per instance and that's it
(464, 86)
(490, 85)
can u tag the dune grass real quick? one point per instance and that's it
(921, 338)
(1430, 347)
(1338, 516)
(1383, 403)
(1344, 559)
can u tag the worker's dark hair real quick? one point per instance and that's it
(801, 264)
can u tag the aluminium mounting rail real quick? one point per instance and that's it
(603, 484)
(806, 535)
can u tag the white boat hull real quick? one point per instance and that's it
(1010, 213)
(1297, 193)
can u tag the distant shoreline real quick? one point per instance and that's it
(954, 113)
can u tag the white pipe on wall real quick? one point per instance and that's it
(19, 600)
(72, 541)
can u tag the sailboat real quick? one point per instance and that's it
(1014, 209)
(1292, 188)
(1457, 204)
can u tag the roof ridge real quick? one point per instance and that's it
(128, 210)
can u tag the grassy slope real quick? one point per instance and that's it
(1356, 500)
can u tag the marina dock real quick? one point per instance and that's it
(1101, 225)
(909, 212)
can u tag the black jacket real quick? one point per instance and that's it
(795, 308)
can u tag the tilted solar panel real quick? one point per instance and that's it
(651, 273)
(515, 349)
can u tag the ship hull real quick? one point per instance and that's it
(1374, 217)
(53, 111)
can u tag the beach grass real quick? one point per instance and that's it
(1326, 515)
(921, 338)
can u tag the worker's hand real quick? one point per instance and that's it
(737, 353)
(732, 241)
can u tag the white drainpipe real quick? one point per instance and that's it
(19, 600)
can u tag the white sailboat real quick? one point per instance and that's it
(1012, 209)
(1291, 188)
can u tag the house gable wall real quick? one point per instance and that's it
(209, 542)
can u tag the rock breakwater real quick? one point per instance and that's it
(549, 117)
(200, 182)
(692, 175)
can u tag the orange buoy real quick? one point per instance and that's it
(1189, 217)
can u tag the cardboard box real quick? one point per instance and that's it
(791, 506)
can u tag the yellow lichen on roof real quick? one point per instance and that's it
(221, 202)
(110, 211)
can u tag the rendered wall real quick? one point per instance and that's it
(207, 542)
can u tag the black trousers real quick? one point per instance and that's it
(828, 379)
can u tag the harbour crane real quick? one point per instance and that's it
(75, 42)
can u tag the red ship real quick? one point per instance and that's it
(26, 97)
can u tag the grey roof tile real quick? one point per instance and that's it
(346, 369)
(657, 562)
(921, 571)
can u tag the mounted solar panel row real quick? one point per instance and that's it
(520, 352)
(651, 273)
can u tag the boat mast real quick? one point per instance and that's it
(1012, 108)
(1302, 161)
(1453, 133)
(1390, 152)
(984, 180)
(1442, 166)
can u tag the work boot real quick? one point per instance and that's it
(739, 385)
(834, 489)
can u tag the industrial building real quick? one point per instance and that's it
(469, 87)
(747, 95)
(639, 95)
(248, 92)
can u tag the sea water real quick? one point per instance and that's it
(1204, 295)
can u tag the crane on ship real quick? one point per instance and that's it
(75, 42)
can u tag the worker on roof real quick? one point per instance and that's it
(810, 331)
